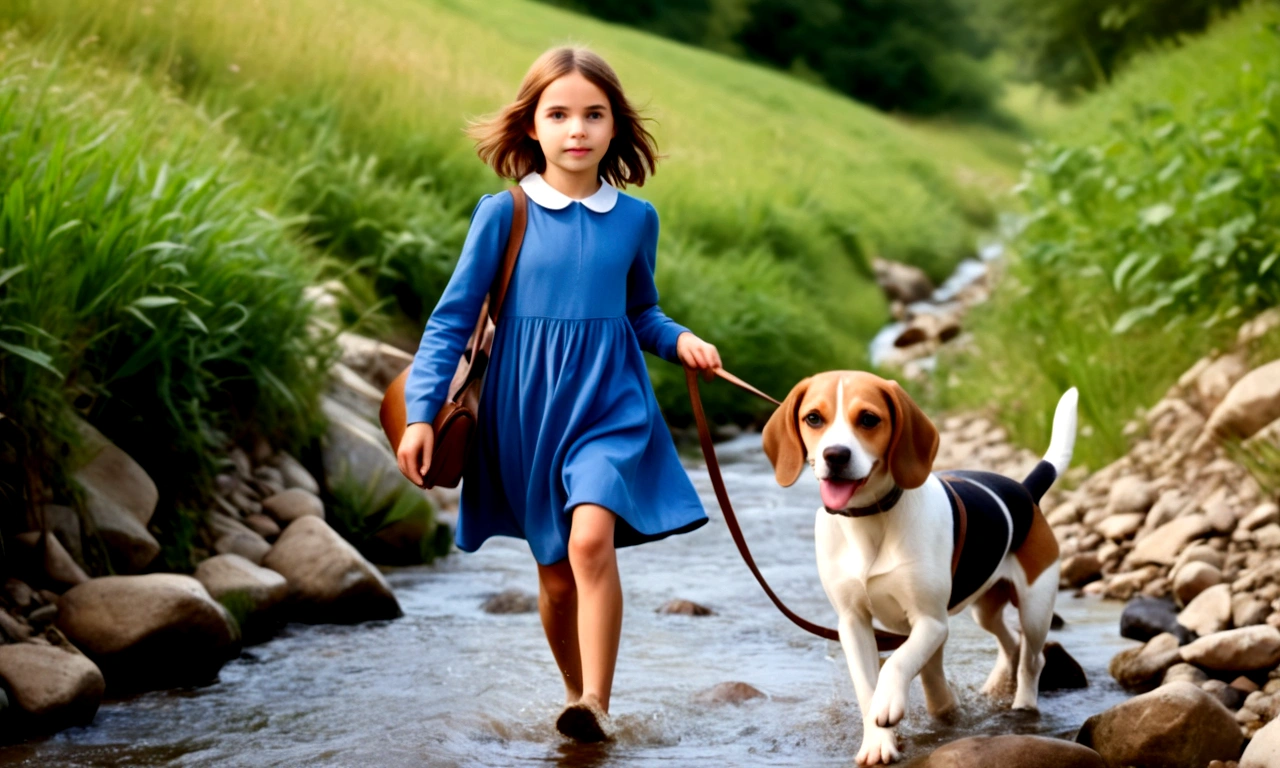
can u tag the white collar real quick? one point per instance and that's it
(547, 196)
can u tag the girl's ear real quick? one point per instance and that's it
(782, 443)
(914, 442)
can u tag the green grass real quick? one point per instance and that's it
(1152, 230)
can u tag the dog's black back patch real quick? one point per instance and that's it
(990, 534)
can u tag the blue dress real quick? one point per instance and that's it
(567, 414)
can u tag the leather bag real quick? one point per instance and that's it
(455, 423)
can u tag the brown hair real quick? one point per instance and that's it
(504, 144)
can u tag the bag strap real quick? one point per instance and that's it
(519, 222)
(885, 641)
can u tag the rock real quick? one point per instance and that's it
(1192, 579)
(378, 362)
(1142, 668)
(1200, 553)
(1081, 569)
(354, 448)
(159, 630)
(119, 498)
(1236, 650)
(293, 504)
(246, 544)
(1175, 725)
(329, 581)
(1122, 586)
(1184, 672)
(1263, 514)
(20, 594)
(1061, 672)
(1247, 610)
(262, 525)
(1145, 617)
(295, 475)
(1217, 379)
(685, 608)
(1209, 612)
(251, 594)
(1264, 750)
(1268, 536)
(1220, 516)
(1161, 546)
(13, 630)
(511, 601)
(728, 693)
(50, 559)
(1010, 750)
(1170, 505)
(1251, 404)
(42, 616)
(1121, 526)
(64, 523)
(1230, 697)
(1252, 330)
(54, 688)
(1244, 685)
(902, 282)
(1130, 494)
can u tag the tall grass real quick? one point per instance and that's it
(1144, 245)
(142, 284)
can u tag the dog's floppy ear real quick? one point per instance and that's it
(782, 443)
(914, 442)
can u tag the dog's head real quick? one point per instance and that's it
(859, 432)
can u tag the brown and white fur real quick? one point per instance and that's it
(861, 434)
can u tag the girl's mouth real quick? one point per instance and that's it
(578, 152)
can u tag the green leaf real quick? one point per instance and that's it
(152, 302)
(1122, 270)
(33, 355)
(1172, 168)
(1227, 181)
(1134, 316)
(1268, 262)
(10, 272)
(1156, 215)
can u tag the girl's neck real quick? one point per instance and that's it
(577, 185)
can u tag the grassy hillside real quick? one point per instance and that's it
(1153, 230)
(774, 190)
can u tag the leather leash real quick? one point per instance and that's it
(885, 641)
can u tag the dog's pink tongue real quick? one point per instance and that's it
(836, 494)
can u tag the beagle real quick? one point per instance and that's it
(905, 547)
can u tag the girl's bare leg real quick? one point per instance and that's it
(595, 571)
(558, 604)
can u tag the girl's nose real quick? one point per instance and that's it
(577, 127)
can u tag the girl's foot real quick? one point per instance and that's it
(586, 721)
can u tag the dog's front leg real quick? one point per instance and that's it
(890, 701)
(858, 639)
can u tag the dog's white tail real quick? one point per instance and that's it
(1063, 441)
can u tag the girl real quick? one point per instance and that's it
(573, 452)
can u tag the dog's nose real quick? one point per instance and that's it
(836, 455)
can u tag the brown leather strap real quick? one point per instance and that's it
(519, 220)
(962, 520)
(884, 641)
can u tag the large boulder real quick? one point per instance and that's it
(1264, 750)
(119, 498)
(329, 581)
(1209, 612)
(158, 630)
(251, 593)
(1251, 404)
(1161, 546)
(53, 687)
(1236, 650)
(354, 448)
(49, 561)
(295, 475)
(1145, 617)
(292, 504)
(1012, 750)
(1143, 667)
(1175, 726)
(1192, 578)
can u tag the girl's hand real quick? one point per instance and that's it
(697, 354)
(414, 454)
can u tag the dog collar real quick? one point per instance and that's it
(884, 504)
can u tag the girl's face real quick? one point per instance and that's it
(573, 124)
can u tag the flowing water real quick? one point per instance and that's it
(448, 684)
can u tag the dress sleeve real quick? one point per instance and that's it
(454, 316)
(657, 332)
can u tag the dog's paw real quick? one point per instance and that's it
(889, 704)
(879, 746)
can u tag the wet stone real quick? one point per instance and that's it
(728, 693)
(511, 601)
(685, 608)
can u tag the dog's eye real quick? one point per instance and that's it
(867, 419)
(814, 419)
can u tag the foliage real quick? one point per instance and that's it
(359, 513)
(1139, 252)
(141, 285)
(1080, 44)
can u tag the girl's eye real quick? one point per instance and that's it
(867, 420)
(596, 115)
(556, 115)
(814, 419)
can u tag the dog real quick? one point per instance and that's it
(906, 547)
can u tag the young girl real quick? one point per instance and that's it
(573, 452)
